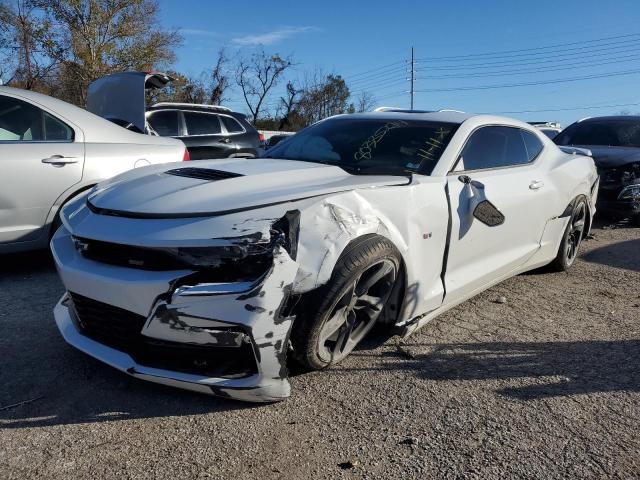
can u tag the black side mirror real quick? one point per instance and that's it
(483, 209)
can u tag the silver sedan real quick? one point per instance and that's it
(50, 151)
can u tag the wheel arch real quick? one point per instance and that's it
(61, 202)
(397, 298)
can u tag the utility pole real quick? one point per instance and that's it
(413, 63)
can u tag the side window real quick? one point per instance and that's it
(55, 130)
(533, 144)
(202, 123)
(494, 147)
(231, 124)
(164, 122)
(19, 121)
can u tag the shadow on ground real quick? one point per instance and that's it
(619, 255)
(58, 384)
(546, 369)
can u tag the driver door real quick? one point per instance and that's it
(499, 207)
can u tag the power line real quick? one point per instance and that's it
(384, 86)
(568, 109)
(374, 69)
(565, 66)
(531, 49)
(523, 84)
(630, 47)
(388, 76)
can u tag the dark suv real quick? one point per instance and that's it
(208, 131)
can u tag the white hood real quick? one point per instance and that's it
(236, 184)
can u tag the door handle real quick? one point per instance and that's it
(225, 140)
(536, 184)
(60, 160)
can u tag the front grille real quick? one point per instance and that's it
(121, 329)
(115, 327)
(202, 173)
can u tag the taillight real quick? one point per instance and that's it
(186, 156)
(261, 137)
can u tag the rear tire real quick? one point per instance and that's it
(572, 237)
(345, 310)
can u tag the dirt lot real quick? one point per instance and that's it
(546, 385)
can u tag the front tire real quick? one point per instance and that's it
(347, 308)
(572, 237)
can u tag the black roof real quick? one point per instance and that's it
(616, 118)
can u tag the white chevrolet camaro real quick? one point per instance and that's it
(211, 277)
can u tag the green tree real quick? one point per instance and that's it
(98, 37)
(321, 98)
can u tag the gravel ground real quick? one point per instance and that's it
(546, 385)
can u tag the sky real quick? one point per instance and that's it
(533, 60)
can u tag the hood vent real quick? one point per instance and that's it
(202, 173)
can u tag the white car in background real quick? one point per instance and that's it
(208, 277)
(50, 151)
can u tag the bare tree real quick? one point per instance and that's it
(219, 79)
(365, 102)
(26, 39)
(257, 75)
(287, 105)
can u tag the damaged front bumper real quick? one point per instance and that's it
(228, 338)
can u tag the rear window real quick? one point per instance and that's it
(202, 123)
(613, 133)
(55, 130)
(165, 123)
(231, 124)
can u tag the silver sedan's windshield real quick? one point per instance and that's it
(368, 146)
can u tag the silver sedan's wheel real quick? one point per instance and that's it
(336, 317)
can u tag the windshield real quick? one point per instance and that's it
(613, 133)
(367, 146)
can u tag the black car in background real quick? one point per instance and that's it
(208, 131)
(615, 145)
(273, 140)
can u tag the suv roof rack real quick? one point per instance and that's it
(199, 105)
(545, 124)
(400, 110)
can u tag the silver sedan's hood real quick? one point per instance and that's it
(220, 187)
